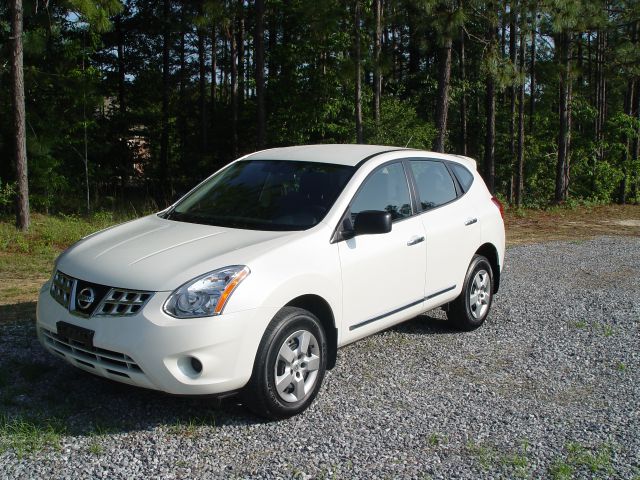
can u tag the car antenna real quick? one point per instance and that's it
(410, 138)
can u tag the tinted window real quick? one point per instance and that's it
(265, 195)
(465, 177)
(435, 185)
(386, 189)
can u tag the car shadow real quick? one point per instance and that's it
(44, 391)
(47, 394)
(430, 323)
(18, 312)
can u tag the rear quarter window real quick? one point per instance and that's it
(464, 176)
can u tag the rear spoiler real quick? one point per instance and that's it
(470, 162)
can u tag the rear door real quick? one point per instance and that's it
(451, 229)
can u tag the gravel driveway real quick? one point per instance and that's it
(548, 387)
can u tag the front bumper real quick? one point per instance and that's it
(153, 350)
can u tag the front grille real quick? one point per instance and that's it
(113, 362)
(123, 302)
(62, 287)
(86, 299)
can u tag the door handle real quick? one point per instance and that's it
(470, 221)
(415, 240)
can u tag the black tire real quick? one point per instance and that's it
(462, 312)
(261, 394)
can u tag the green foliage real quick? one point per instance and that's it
(7, 193)
(400, 126)
(26, 435)
(74, 86)
(96, 12)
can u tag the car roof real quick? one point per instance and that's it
(342, 154)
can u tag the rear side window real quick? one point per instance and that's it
(435, 185)
(465, 177)
(386, 189)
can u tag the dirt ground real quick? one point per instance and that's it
(534, 226)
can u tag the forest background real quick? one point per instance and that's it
(127, 104)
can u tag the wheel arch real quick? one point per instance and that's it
(490, 252)
(321, 309)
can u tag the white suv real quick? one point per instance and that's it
(251, 282)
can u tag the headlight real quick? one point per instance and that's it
(206, 295)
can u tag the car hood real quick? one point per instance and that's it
(155, 254)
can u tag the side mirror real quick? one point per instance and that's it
(371, 222)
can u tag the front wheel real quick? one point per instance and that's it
(289, 367)
(470, 309)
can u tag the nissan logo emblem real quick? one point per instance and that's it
(86, 297)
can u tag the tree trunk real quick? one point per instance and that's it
(601, 93)
(490, 109)
(214, 87)
(182, 120)
(259, 65)
(628, 109)
(521, 64)
(358, 65)
(503, 29)
(463, 96)
(272, 68)
(442, 106)
(631, 107)
(20, 136)
(164, 191)
(563, 42)
(532, 67)
(512, 98)
(635, 155)
(377, 71)
(224, 70)
(240, 50)
(414, 50)
(396, 62)
(234, 92)
(202, 91)
(121, 65)
(589, 62)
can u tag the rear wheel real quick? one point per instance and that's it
(471, 308)
(289, 366)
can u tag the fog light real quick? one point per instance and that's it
(190, 366)
(196, 365)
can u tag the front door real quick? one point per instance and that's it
(383, 276)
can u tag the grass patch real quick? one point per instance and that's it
(95, 447)
(607, 330)
(579, 457)
(561, 470)
(436, 439)
(485, 454)
(25, 435)
(190, 426)
(489, 456)
(26, 258)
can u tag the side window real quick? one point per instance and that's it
(465, 177)
(435, 185)
(386, 189)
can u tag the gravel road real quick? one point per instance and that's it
(549, 387)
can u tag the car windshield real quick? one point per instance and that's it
(265, 195)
